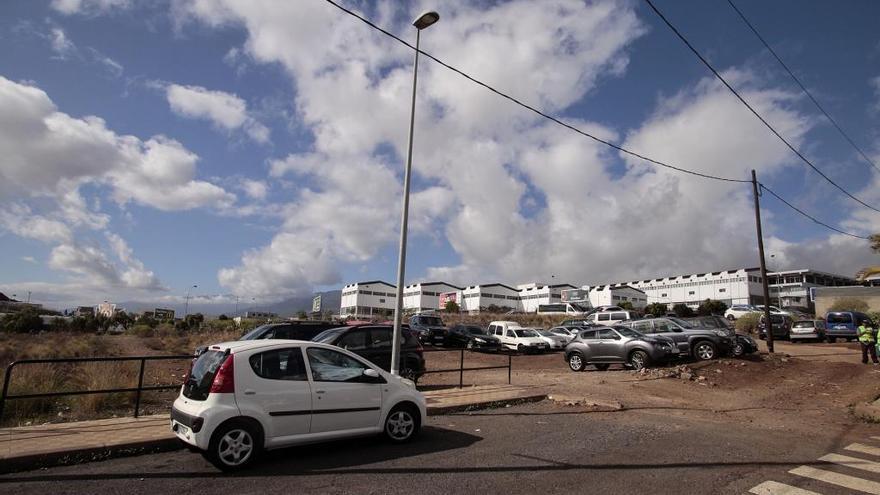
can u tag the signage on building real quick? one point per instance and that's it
(162, 314)
(446, 297)
(575, 295)
(316, 304)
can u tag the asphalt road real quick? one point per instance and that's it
(538, 448)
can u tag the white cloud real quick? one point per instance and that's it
(225, 110)
(19, 220)
(255, 189)
(29, 259)
(89, 7)
(61, 45)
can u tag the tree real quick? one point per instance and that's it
(711, 307)
(656, 309)
(849, 304)
(222, 317)
(682, 310)
(452, 307)
(301, 315)
(123, 319)
(24, 321)
(627, 305)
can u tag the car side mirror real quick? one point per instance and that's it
(677, 330)
(370, 372)
(372, 376)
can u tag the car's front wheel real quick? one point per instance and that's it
(731, 317)
(704, 350)
(576, 362)
(234, 445)
(402, 424)
(638, 359)
(738, 349)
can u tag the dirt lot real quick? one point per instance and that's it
(800, 386)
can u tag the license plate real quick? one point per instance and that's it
(182, 430)
(840, 327)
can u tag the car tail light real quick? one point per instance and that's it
(224, 380)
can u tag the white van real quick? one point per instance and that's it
(562, 309)
(516, 338)
(610, 317)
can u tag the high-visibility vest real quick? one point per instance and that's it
(866, 334)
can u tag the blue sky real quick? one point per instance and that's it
(255, 149)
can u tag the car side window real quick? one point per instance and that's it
(607, 334)
(380, 338)
(355, 340)
(662, 326)
(333, 366)
(588, 335)
(618, 316)
(280, 364)
(281, 332)
(604, 317)
(642, 326)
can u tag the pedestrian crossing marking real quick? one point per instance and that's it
(865, 449)
(838, 479)
(853, 462)
(776, 488)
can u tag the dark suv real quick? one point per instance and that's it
(429, 328)
(293, 330)
(373, 342)
(701, 343)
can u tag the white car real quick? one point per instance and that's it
(515, 337)
(556, 341)
(242, 397)
(737, 311)
(773, 310)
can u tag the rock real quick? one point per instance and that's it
(718, 371)
(686, 376)
(784, 360)
(701, 378)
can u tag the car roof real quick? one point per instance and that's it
(247, 345)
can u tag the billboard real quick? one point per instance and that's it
(575, 295)
(446, 297)
(316, 304)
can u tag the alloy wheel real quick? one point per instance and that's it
(575, 362)
(705, 351)
(400, 425)
(236, 447)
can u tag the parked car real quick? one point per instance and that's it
(773, 310)
(808, 330)
(570, 332)
(711, 322)
(472, 337)
(700, 343)
(429, 328)
(602, 347)
(562, 309)
(293, 330)
(513, 336)
(577, 323)
(373, 342)
(557, 342)
(781, 326)
(605, 318)
(243, 397)
(739, 310)
(844, 324)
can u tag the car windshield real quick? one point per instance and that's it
(430, 320)
(629, 332)
(525, 332)
(328, 335)
(839, 318)
(545, 333)
(803, 324)
(198, 382)
(252, 335)
(476, 331)
(681, 323)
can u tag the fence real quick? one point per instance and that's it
(136, 390)
(461, 369)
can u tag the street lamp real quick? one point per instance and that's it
(423, 21)
(186, 305)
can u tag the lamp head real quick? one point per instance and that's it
(426, 20)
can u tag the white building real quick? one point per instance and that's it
(367, 299)
(425, 296)
(738, 286)
(608, 295)
(480, 297)
(791, 288)
(534, 294)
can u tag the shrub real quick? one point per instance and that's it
(712, 307)
(849, 304)
(25, 321)
(656, 309)
(748, 323)
(142, 331)
(166, 330)
(682, 310)
(627, 306)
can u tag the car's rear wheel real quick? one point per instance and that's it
(704, 350)
(402, 423)
(738, 349)
(638, 359)
(576, 362)
(234, 445)
(521, 348)
(601, 366)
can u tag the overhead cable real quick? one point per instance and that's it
(802, 212)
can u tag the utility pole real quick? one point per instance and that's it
(768, 325)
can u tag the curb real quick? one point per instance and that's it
(80, 456)
(440, 410)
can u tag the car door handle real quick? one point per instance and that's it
(250, 392)
(319, 391)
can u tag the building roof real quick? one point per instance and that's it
(373, 282)
(426, 284)
(494, 285)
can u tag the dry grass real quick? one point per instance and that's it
(102, 376)
(483, 319)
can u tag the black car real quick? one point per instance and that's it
(373, 342)
(429, 328)
(781, 326)
(742, 344)
(472, 337)
(293, 330)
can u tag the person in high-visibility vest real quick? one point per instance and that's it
(867, 340)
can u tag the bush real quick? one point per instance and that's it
(627, 306)
(656, 309)
(748, 323)
(712, 307)
(849, 304)
(25, 321)
(142, 331)
(682, 310)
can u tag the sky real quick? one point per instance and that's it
(255, 149)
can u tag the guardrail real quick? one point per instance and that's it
(137, 390)
(461, 369)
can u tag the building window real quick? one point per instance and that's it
(722, 290)
(690, 293)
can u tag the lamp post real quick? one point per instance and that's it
(186, 305)
(423, 21)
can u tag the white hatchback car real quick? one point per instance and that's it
(242, 397)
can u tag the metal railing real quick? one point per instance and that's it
(136, 390)
(461, 369)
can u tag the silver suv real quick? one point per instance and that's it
(603, 347)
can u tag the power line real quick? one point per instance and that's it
(531, 108)
(802, 212)
(803, 88)
(744, 102)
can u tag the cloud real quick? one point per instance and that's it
(19, 220)
(225, 110)
(255, 189)
(61, 45)
(29, 259)
(89, 7)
